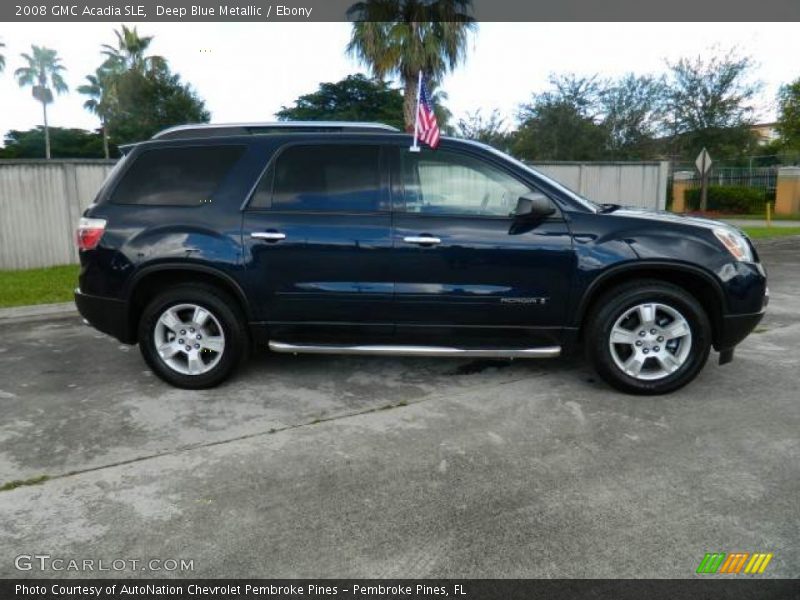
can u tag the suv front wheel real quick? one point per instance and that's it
(192, 336)
(648, 337)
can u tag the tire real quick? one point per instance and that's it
(216, 336)
(671, 352)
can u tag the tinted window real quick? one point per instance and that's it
(108, 182)
(326, 178)
(262, 197)
(449, 183)
(176, 176)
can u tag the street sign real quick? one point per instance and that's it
(703, 162)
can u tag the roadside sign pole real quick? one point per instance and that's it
(703, 164)
(704, 187)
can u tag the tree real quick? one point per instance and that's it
(66, 143)
(147, 103)
(562, 123)
(405, 37)
(98, 90)
(129, 53)
(354, 98)
(710, 104)
(633, 110)
(438, 97)
(489, 130)
(135, 94)
(2, 58)
(789, 115)
(42, 72)
(581, 92)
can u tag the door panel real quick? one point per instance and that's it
(317, 244)
(491, 280)
(329, 271)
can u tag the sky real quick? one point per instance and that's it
(247, 71)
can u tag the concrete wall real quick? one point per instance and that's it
(642, 184)
(787, 194)
(41, 201)
(40, 204)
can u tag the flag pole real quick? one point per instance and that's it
(415, 147)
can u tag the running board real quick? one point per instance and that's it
(389, 350)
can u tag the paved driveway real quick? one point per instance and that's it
(315, 466)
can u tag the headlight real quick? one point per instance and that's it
(735, 243)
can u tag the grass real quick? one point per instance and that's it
(17, 483)
(38, 286)
(761, 233)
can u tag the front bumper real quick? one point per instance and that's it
(735, 328)
(108, 315)
(748, 297)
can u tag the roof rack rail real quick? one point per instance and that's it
(202, 130)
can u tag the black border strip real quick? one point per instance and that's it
(705, 587)
(336, 10)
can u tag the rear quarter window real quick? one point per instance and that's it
(176, 176)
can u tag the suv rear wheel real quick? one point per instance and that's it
(648, 337)
(192, 336)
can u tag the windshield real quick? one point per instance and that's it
(585, 202)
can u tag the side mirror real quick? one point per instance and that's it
(533, 206)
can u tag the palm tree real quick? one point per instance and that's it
(129, 55)
(443, 114)
(406, 37)
(43, 72)
(99, 90)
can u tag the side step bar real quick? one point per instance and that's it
(389, 350)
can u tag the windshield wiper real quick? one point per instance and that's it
(609, 208)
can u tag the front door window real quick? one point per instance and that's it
(449, 183)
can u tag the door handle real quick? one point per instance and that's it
(422, 239)
(269, 236)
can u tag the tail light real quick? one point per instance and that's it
(89, 233)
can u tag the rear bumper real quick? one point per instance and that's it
(735, 328)
(108, 315)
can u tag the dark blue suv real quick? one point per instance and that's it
(335, 238)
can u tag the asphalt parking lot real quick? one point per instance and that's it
(316, 466)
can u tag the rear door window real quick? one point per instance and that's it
(323, 178)
(176, 176)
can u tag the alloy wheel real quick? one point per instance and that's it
(189, 339)
(650, 341)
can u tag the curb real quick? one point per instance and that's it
(37, 312)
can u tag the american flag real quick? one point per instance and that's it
(428, 129)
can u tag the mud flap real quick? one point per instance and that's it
(726, 356)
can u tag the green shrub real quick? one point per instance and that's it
(733, 199)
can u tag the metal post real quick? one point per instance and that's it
(414, 147)
(704, 186)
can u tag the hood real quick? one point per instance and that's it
(670, 217)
